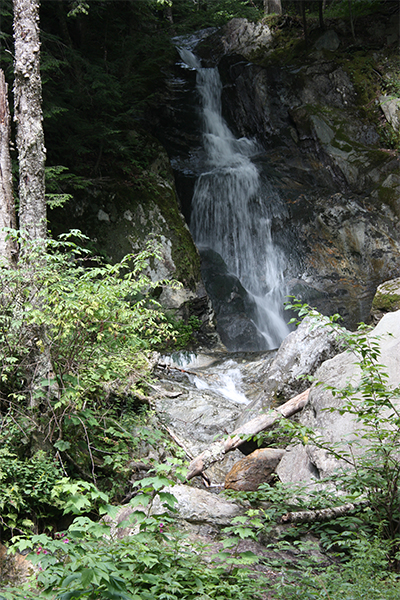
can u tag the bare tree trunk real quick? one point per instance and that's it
(351, 21)
(321, 9)
(217, 450)
(7, 209)
(272, 6)
(31, 158)
(28, 115)
(304, 17)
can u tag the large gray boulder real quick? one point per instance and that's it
(197, 511)
(310, 462)
(238, 36)
(123, 217)
(299, 355)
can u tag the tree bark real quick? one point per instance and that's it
(351, 21)
(31, 159)
(272, 6)
(304, 17)
(216, 452)
(28, 116)
(321, 9)
(7, 209)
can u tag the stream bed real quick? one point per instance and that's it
(201, 395)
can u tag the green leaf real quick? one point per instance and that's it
(86, 577)
(62, 445)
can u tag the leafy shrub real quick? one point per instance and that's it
(90, 561)
(26, 490)
(76, 338)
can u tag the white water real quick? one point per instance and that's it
(225, 379)
(232, 210)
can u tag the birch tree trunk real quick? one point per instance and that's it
(28, 116)
(31, 158)
(7, 208)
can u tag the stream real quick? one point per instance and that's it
(233, 205)
(202, 394)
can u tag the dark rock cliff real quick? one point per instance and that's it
(321, 150)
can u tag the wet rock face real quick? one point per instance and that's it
(342, 193)
(348, 249)
(122, 217)
(235, 308)
(340, 227)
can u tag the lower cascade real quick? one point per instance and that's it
(232, 211)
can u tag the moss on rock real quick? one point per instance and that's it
(121, 215)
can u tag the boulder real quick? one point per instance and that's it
(322, 413)
(253, 470)
(391, 109)
(329, 40)
(15, 569)
(196, 510)
(198, 506)
(122, 217)
(299, 355)
(238, 36)
(244, 37)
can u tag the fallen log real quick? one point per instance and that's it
(216, 452)
(322, 514)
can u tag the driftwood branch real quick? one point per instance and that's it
(323, 514)
(216, 452)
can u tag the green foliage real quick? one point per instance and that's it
(189, 15)
(26, 488)
(93, 320)
(87, 329)
(185, 331)
(364, 576)
(54, 178)
(101, 67)
(340, 9)
(90, 560)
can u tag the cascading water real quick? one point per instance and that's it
(232, 211)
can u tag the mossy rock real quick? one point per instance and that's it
(387, 297)
(121, 215)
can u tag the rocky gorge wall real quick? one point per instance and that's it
(321, 150)
(121, 216)
(341, 188)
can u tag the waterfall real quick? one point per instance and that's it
(232, 210)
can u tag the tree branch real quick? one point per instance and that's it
(216, 452)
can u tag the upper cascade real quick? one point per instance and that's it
(232, 210)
